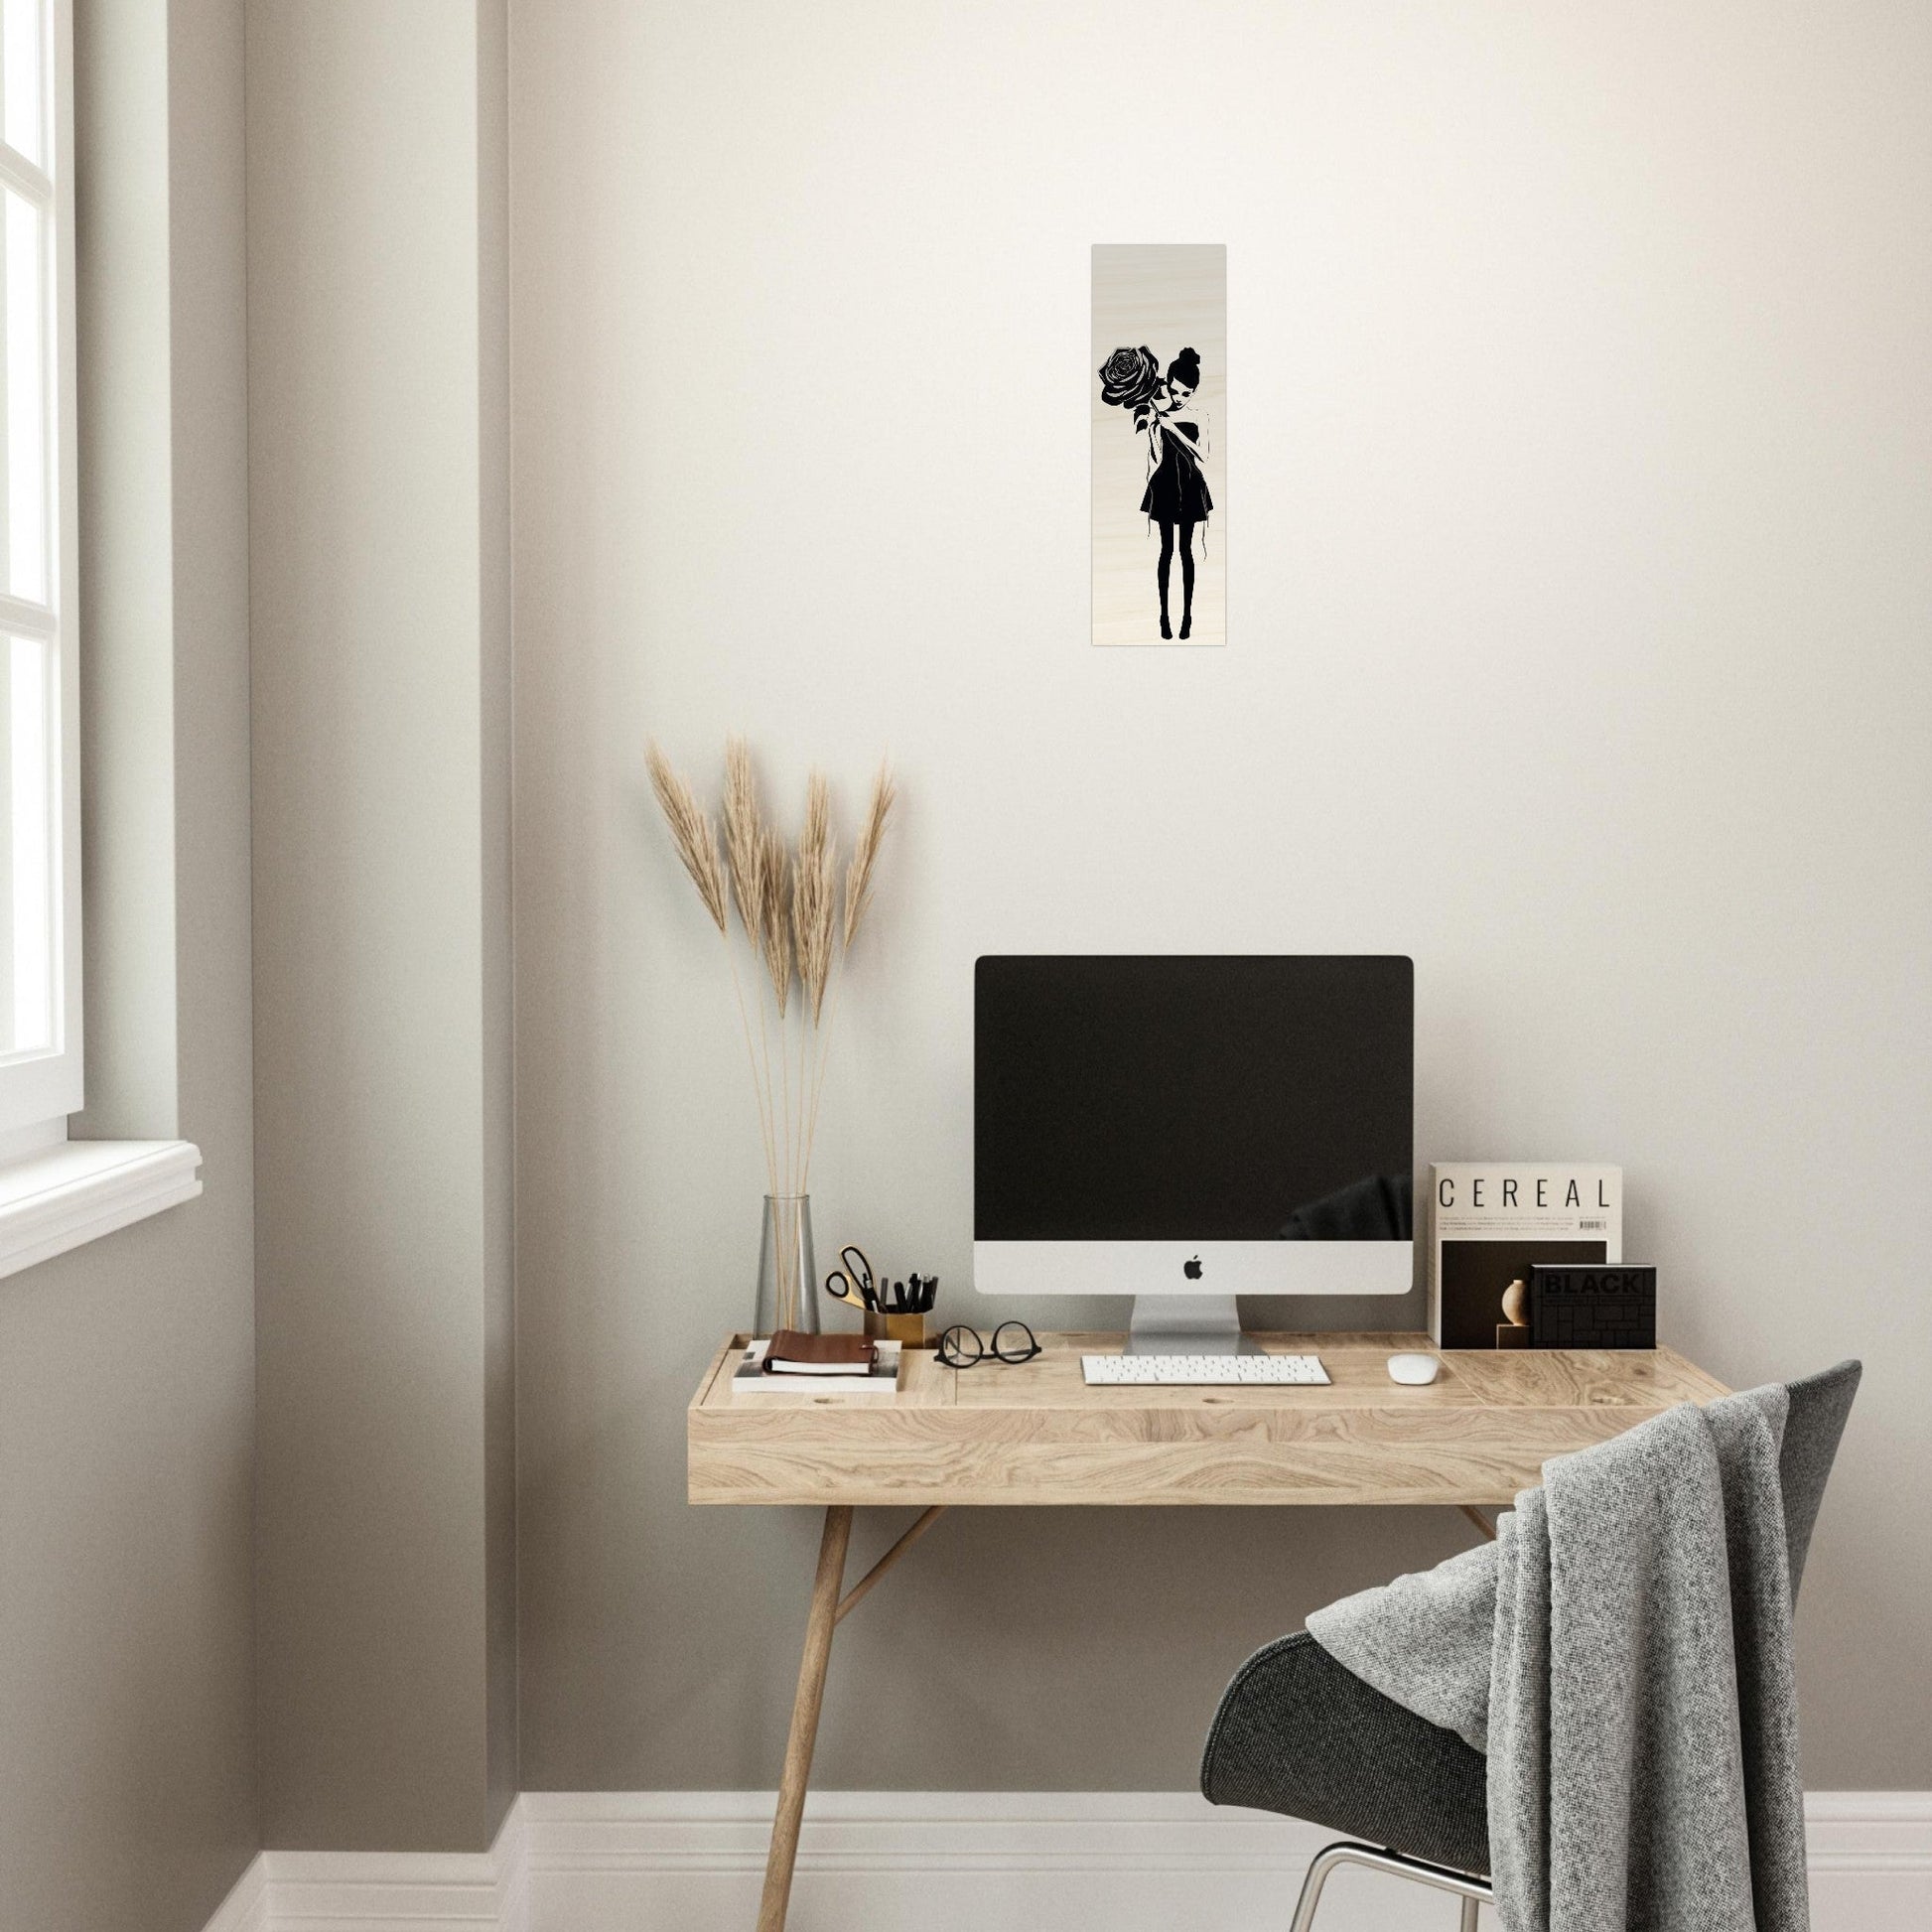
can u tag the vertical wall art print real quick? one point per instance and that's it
(1159, 408)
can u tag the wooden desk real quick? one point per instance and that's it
(1034, 1434)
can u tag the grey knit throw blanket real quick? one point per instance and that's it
(1622, 1652)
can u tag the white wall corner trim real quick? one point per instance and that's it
(951, 1862)
(383, 1891)
(78, 1190)
(245, 1909)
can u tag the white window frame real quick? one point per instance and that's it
(56, 1192)
(39, 1089)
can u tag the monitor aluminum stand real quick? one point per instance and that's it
(1186, 1324)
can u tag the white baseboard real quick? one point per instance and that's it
(939, 1862)
(954, 1861)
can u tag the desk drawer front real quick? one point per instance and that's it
(1232, 1454)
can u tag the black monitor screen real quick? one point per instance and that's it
(1192, 1099)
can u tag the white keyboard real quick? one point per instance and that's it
(1202, 1371)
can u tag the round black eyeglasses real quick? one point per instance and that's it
(963, 1348)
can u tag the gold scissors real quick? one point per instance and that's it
(852, 1282)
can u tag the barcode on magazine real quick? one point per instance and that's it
(1597, 1226)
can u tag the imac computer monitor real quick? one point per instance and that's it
(1185, 1130)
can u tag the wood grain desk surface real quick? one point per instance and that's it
(1034, 1433)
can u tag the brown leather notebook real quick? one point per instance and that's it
(794, 1353)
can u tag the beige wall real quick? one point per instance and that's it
(1578, 581)
(380, 715)
(127, 1789)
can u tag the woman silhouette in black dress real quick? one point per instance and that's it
(1176, 491)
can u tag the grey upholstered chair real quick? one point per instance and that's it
(1299, 1734)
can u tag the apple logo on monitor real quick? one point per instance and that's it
(1191, 1269)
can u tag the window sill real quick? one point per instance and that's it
(79, 1190)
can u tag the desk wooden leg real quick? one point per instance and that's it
(804, 1719)
(858, 1593)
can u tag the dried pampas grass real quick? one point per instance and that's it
(774, 916)
(788, 909)
(814, 895)
(865, 852)
(744, 834)
(691, 832)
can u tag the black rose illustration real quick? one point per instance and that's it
(1129, 377)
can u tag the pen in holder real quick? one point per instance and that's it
(893, 1310)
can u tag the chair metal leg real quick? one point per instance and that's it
(1324, 1862)
(1471, 1890)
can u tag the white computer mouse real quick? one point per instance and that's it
(1414, 1369)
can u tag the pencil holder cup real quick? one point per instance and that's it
(909, 1329)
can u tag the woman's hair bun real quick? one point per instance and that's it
(1186, 367)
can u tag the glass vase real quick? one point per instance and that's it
(787, 1271)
